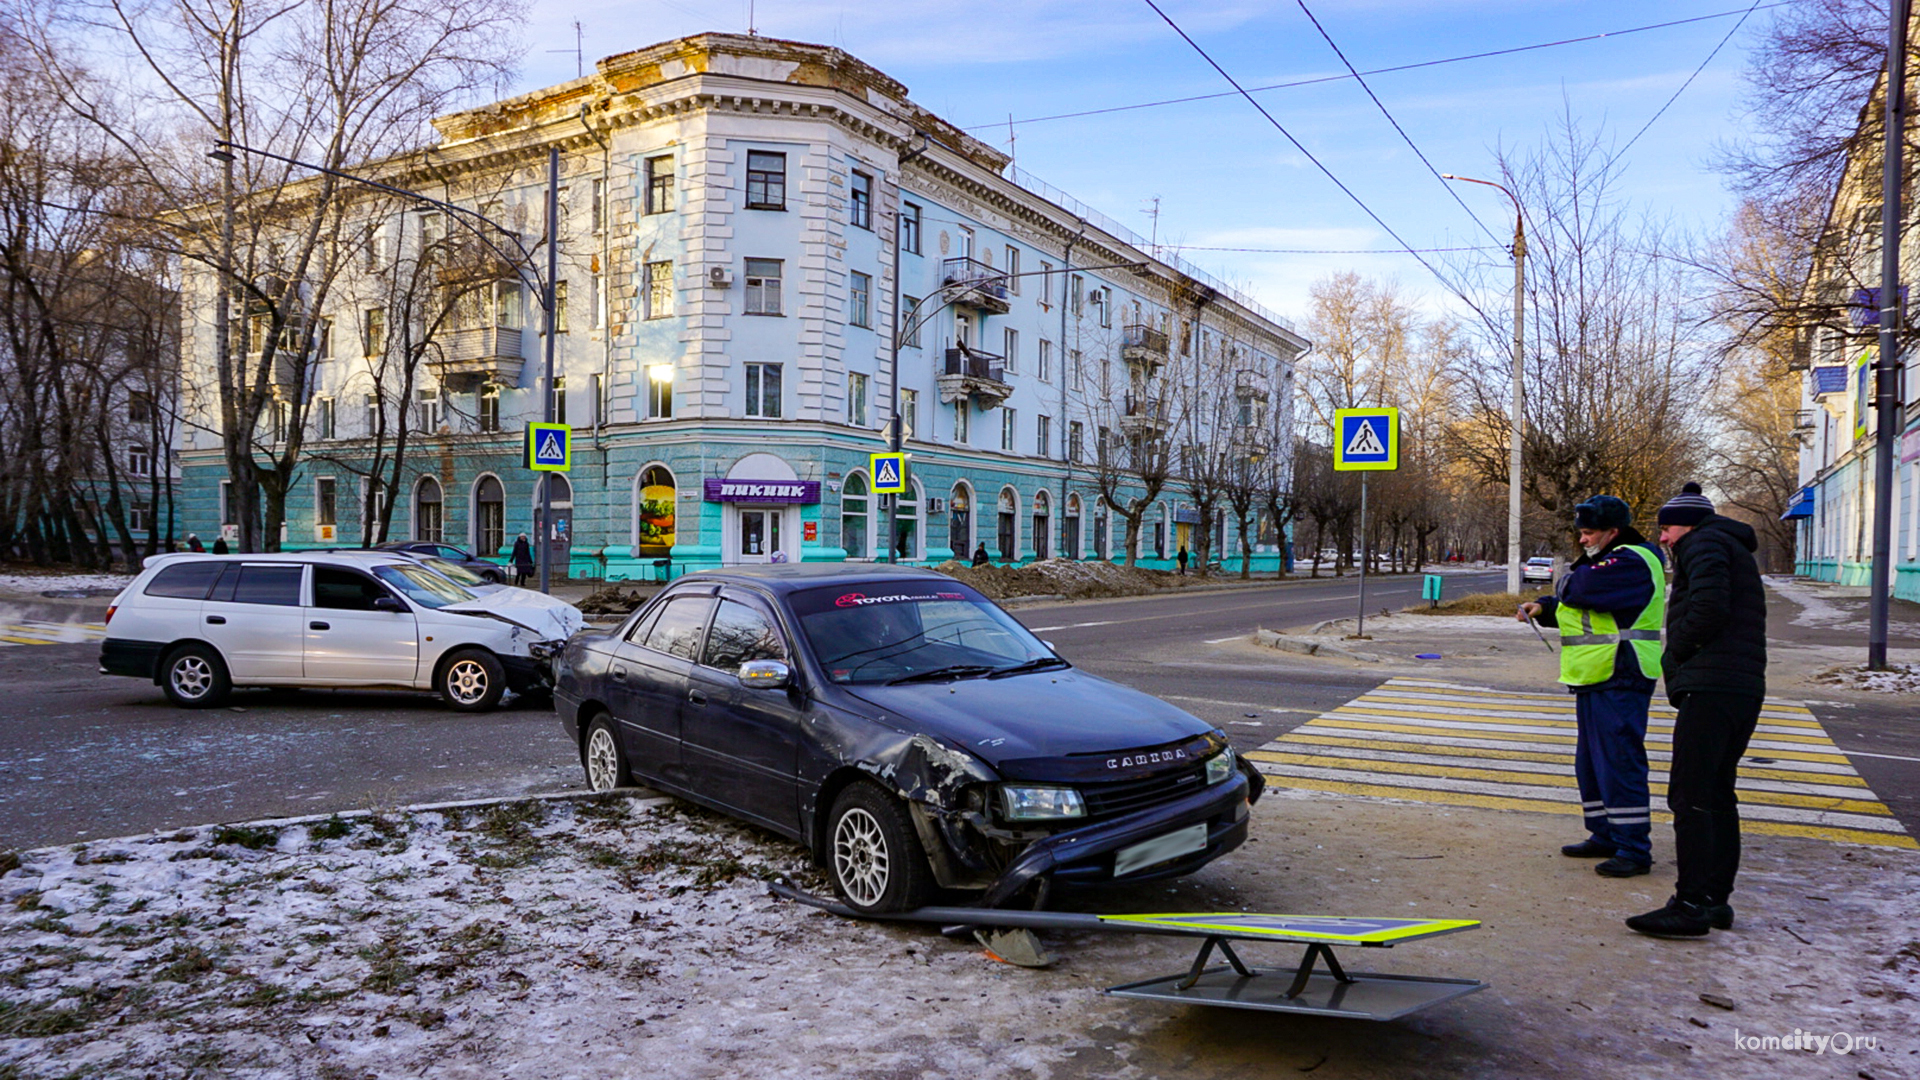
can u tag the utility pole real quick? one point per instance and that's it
(1887, 364)
(545, 539)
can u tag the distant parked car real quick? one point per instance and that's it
(199, 625)
(491, 572)
(1538, 568)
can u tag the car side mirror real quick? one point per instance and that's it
(1049, 646)
(389, 603)
(765, 675)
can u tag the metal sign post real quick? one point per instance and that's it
(1365, 440)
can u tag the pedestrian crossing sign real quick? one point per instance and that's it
(889, 473)
(549, 447)
(1366, 439)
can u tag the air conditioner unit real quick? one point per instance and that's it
(719, 277)
(936, 506)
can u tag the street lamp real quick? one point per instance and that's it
(519, 258)
(1519, 391)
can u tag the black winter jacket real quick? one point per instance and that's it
(1716, 614)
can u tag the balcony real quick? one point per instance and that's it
(970, 373)
(1143, 345)
(1828, 380)
(466, 359)
(973, 284)
(1143, 416)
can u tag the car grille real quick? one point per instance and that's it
(1119, 797)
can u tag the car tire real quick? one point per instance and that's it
(493, 577)
(874, 855)
(195, 677)
(471, 680)
(603, 757)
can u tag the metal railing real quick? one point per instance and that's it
(1139, 336)
(973, 275)
(976, 365)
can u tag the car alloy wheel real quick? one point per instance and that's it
(192, 677)
(195, 678)
(467, 681)
(861, 862)
(604, 767)
(472, 680)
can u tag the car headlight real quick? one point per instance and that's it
(1041, 803)
(1220, 766)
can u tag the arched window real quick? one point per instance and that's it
(561, 487)
(960, 521)
(1009, 533)
(428, 519)
(489, 517)
(653, 508)
(1070, 529)
(1042, 522)
(1100, 519)
(854, 512)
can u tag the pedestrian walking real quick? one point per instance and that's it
(522, 560)
(1716, 665)
(219, 545)
(980, 555)
(194, 545)
(1608, 608)
(1181, 558)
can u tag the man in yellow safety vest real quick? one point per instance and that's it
(1609, 607)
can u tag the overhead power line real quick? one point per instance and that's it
(1683, 86)
(1742, 12)
(1336, 251)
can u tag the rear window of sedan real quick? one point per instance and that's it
(874, 633)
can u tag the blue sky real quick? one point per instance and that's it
(1224, 177)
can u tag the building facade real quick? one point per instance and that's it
(733, 210)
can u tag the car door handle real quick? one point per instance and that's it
(319, 626)
(698, 697)
(619, 674)
(217, 620)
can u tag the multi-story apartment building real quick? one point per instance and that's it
(733, 212)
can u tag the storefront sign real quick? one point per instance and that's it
(763, 491)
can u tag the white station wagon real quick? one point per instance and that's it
(200, 625)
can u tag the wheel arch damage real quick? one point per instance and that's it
(943, 788)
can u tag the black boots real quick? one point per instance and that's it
(1682, 918)
(1619, 867)
(1588, 849)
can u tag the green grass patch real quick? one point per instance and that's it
(184, 963)
(333, 828)
(251, 837)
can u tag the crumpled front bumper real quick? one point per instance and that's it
(1086, 855)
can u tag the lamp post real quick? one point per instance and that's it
(1519, 388)
(1887, 364)
(519, 259)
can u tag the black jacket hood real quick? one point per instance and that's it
(1739, 531)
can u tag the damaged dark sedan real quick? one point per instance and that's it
(906, 729)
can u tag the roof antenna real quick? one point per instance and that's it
(752, 30)
(578, 51)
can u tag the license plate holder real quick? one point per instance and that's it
(1160, 849)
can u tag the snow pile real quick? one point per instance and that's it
(1897, 679)
(1815, 600)
(1072, 578)
(56, 584)
(609, 937)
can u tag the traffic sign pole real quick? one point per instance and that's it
(1361, 631)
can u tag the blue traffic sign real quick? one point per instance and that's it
(549, 447)
(889, 473)
(1366, 439)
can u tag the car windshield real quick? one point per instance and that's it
(452, 571)
(421, 585)
(882, 631)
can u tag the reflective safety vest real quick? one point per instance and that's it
(1589, 643)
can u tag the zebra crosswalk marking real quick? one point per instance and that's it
(37, 632)
(1436, 742)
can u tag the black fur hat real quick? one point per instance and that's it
(1602, 512)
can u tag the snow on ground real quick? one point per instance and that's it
(1897, 679)
(1816, 603)
(604, 937)
(39, 584)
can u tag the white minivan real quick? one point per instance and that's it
(200, 625)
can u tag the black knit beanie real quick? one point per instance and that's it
(1688, 508)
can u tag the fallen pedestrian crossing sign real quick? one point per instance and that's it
(549, 447)
(889, 473)
(1366, 439)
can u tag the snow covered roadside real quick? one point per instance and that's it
(43, 584)
(602, 937)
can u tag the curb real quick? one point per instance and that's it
(1306, 647)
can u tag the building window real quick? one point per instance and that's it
(428, 516)
(489, 409)
(1076, 440)
(1104, 299)
(559, 307)
(506, 304)
(323, 418)
(1043, 435)
(282, 419)
(860, 203)
(597, 299)
(659, 289)
(326, 501)
(432, 228)
(1046, 285)
(1011, 341)
(910, 228)
(659, 184)
(598, 214)
(426, 410)
(1077, 294)
(763, 286)
(371, 408)
(373, 331)
(660, 392)
(140, 517)
(857, 399)
(909, 330)
(323, 339)
(1074, 370)
(559, 399)
(1006, 429)
(763, 390)
(853, 518)
(909, 408)
(1043, 363)
(489, 518)
(599, 399)
(766, 180)
(1013, 270)
(860, 300)
(139, 461)
(962, 421)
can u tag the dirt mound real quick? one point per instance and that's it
(1064, 577)
(611, 600)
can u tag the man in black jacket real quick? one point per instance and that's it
(1716, 667)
